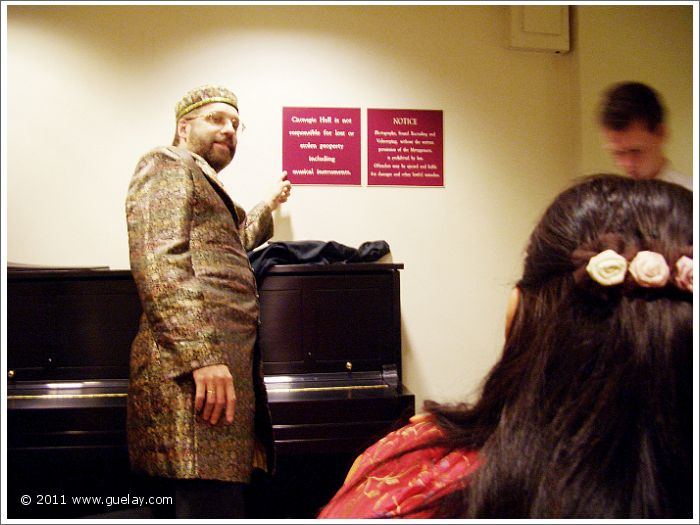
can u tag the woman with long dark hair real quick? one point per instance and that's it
(588, 413)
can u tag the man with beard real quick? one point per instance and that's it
(197, 417)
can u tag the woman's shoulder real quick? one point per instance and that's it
(400, 472)
(419, 429)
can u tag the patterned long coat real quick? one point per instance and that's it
(188, 242)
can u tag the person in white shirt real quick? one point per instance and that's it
(631, 118)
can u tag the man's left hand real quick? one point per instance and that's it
(214, 393)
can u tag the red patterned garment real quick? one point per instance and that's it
(403, 483)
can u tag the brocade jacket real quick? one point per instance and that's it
(187, 243)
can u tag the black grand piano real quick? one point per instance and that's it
(331, 341)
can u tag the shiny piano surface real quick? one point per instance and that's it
(331, 341)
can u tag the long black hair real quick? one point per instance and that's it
(588, 413)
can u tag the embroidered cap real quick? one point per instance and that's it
(204, 95)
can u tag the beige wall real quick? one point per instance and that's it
(92, 88)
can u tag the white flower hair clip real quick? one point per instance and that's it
(649, 269)
(608, 268)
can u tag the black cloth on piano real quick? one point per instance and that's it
(313, 252)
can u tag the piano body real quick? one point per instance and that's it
(331, 341)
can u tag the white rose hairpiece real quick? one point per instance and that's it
(608, 268)
(649, 269)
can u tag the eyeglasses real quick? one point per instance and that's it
(220, 120)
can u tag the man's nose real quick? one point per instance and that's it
(626, 159)
(228, 128)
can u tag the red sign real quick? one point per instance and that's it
(321, 145)
(404, 147)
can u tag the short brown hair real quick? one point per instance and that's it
(626, 102)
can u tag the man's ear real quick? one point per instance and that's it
(182, 129)
(512, 307)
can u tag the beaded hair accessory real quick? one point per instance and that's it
(646, 268)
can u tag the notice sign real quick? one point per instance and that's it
(321, 145)
(404, 147)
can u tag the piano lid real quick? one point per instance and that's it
(24, 267)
